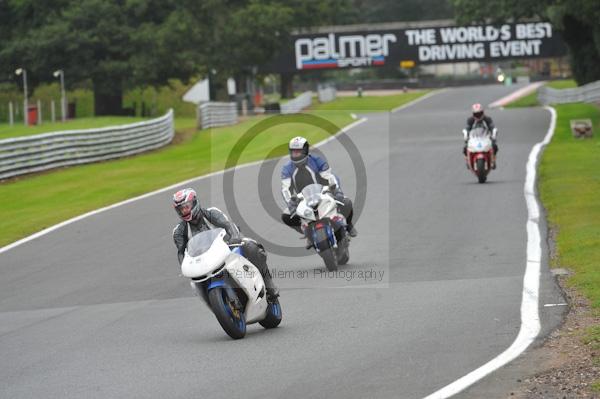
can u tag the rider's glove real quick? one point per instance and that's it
(495, 147)
(235, 240)
(339, 195)
(293, 204)
(465, 150)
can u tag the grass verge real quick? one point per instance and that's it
(569, 187)
(32, 203)
(592, 339)
(371, 103)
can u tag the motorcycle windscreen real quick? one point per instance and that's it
(201, 242)
(312, 194)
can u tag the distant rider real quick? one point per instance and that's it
(480, 119)
(302, 170)
(195, 219)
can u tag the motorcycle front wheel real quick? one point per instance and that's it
(325, 250)
(330, 259)
(481, 172)
(231, 319)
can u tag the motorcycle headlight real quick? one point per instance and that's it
(308, 213)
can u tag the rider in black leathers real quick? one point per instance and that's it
(195, 219)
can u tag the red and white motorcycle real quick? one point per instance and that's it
(480, 153)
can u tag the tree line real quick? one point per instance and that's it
(122, 44)
(577, 20)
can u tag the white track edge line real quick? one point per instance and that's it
(530, 319)
(417, 100)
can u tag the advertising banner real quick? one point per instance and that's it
(409, 47)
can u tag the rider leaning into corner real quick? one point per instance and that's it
(480, 119)
(195, 219)
(302, 170)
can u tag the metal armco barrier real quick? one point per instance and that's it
(41, 152)
(589, 93)
(214, 114)
(296, 105)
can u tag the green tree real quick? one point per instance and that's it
(577, 20)
(115, 44)
(123, 44)
(245, 34)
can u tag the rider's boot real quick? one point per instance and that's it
(351, 230)
(272, 290)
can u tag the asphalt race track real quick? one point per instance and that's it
(96, 309)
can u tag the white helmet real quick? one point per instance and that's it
(477, 110)
(298, 149)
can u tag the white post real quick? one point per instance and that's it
(21, 71)
(25, 110)
(25, 102)
(63, 99)
(52, 111)
(11, 120)
(39, 112)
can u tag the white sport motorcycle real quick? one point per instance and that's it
(231, 285)
(323, 225)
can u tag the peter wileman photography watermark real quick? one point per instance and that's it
(366, 276)
(372, 275)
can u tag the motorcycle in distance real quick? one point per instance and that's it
(230, 284)
(323, 225)
(480, 154)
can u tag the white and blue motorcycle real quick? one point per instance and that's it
(231, 285)
(323, 225)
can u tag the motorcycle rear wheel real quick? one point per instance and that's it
(273, 317)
